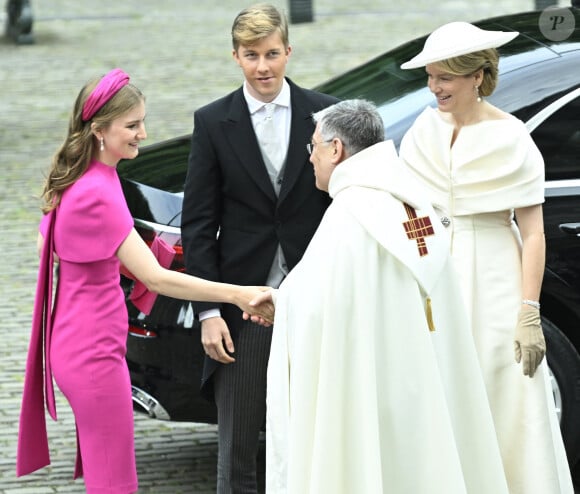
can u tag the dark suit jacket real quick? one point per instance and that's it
(228, 191)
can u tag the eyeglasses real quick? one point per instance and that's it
(310, 145)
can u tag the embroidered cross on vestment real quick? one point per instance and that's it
(418, 228)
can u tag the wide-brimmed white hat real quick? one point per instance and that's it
(455, 39)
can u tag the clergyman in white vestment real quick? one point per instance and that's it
(373, 380)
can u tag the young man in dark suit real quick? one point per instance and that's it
(250, 209)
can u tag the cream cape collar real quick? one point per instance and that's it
(371, 185)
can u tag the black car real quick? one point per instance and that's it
(539, 83)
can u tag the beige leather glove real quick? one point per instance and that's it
(529, 343)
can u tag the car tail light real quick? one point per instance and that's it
(141, 332)
(148, 231)
(170, 234)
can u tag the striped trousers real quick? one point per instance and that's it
(240, 394)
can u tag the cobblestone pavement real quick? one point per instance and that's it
(178, 53)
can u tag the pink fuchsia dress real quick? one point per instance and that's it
(87, 344)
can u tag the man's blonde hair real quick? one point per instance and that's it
(257, 22)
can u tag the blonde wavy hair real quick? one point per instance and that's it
(466, 65)
(74, 155)
(257, 22)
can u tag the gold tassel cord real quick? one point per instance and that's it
(429, 314)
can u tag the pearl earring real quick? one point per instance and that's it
(477, 93)
(102, 148)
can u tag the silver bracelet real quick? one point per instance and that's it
(533, 303)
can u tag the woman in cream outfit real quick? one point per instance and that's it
(484, 172)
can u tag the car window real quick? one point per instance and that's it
(558, 138)
(400, 95)
(161, 166)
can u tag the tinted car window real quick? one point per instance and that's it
(400, 95)
(163, 166)
(559, 141)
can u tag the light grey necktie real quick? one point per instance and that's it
(274, 154)
(270, 142)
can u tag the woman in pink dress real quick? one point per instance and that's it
(89, 229)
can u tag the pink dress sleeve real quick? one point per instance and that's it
(93, 218)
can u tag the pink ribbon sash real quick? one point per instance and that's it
(33, 453)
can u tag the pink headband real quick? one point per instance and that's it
(103, 92)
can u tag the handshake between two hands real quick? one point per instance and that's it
(257, 304)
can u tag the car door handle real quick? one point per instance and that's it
(571, 228)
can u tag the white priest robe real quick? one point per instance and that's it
(362, 396)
